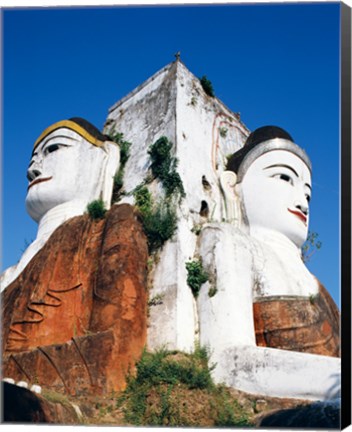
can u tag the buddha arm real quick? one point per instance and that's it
(227, 328)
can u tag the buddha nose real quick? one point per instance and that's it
(303, 208)
(33, 171)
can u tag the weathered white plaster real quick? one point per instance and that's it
(242, 269)
(9, 380)
(36, 389)
(279, 373)
(257, 258)
(23, 384)
(172, 103)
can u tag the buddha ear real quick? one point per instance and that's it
(228, 181)
(111, 168)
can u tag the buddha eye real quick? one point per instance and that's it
(51, 148)
(308, 198)
(284, 177)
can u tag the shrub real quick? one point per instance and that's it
(228, 411)
(159, 220)
(143, 199)
(157, 374)
(124, 146)
(176, 389)
(159, 225)
(164, 166)
(96, 209)
(207, 86)
(196, 276)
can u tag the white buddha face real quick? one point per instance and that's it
(64, 167)
(276, 190)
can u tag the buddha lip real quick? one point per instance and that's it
(299, 214)
(39, 180)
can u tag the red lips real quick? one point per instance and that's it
(299, 214)
(39, 180)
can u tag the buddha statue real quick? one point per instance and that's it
(271, 327)
(74, 308)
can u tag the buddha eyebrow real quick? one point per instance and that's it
(283, 166)
(55, 137)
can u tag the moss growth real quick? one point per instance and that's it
(96, 209)
(212, 291)
(196, 276)
(223, 132)
(55, 397)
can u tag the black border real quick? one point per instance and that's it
(345, 89)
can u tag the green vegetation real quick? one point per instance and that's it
(164, 166)
(197, 229)
(96, 209)
(159, 225)
(156, 300)
(207, 86)
(124, 146)
(176, 389)
(311, 245)
(55, 397)
(143, 199)
(223, 132)
(230, 412)
(159, 219)
(212, 291)
(196, 276)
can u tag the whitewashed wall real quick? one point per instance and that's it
(172, 103)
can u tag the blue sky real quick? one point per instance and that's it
(275, 64)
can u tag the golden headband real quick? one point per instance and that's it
(69, 124)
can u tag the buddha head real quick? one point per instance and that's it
(271, 176)
(72, 162)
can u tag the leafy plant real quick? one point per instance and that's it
(159, 225)
(207, 86)
(96, 209)
(124, 146)
(164, 166)
(196, 276)
(159, 220)
(311, 246)
(143, 199)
